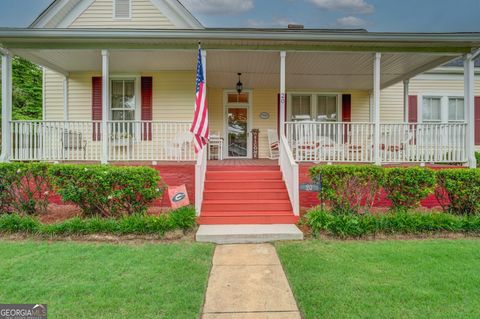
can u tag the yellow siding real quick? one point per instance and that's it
(391, 104)
(215, 110)
(143, 15)
(173, 95)
(53, 96)
(360, 106)
(264, 100)
(80, 96)
(419, 86)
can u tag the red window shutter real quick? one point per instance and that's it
(96, 106)
(346, 113)
(477, 120)
(278, 112)
(412, 109)
(146, 109)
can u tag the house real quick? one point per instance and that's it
(119, 83)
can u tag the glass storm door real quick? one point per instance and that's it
(237, 132)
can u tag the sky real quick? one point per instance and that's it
(373, 15)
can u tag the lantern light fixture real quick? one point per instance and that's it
(239, 84)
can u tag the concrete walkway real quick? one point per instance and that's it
(247, 282)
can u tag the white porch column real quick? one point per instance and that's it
(6, 104)
(469, 82)
(406, 89)
(376, 108)
(105, 104)
(283, 55)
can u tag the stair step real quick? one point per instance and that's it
(235, 220)
(245, 194)
(244, 175)
(240, 234)
(246, 205)
(244, 184)
(247, 213)
(243, 168)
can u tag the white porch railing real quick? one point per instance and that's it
(200, 171)
(289, 169)
(399, 143)
(82, 141)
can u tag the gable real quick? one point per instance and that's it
(144, 14)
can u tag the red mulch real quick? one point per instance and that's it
(58, 213)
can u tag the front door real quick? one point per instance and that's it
(237, 126)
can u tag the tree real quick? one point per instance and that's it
(27, 90)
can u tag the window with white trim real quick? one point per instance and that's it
(327, 108)
(321, 107)
(301, 108)
(121, 9)
(123, 107)
(456, 109)
(432, 109)
(123, 100)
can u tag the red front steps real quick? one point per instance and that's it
(245, 195)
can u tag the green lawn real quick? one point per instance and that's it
(106, 281)
(385, 279)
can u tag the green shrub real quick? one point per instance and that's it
(348, 188)
(358, 226)
(458, 190)
(24, 188)
(477, 156)
(108, 191)
(406, 187)
(183, 218)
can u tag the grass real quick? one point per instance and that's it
(106, 281)
(384, 279)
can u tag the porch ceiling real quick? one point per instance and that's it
(260, 69)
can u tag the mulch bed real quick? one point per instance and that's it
(61, 212)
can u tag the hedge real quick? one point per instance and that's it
(24, 187)
(357, 226)
(348, 188)
(458, 190)
(108, 191)
(406, 187)
(183, 218)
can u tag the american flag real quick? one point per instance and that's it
(200, 119)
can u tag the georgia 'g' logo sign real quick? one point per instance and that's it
(178, 197)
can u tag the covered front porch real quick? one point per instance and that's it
(322, 98)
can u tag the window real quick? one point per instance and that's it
(123, 107)
(456, 109)
(121, 9)
(237, 98)
(123, 100)
(301, 107)
(326, 108)
(432, 109)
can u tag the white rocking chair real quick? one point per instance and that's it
(273, 144)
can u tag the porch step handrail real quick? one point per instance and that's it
(289, 169)
(200, 172)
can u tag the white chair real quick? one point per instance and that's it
(273, 144)
(215, 147)
(179, 147)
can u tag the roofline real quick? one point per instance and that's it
(178, 8)
(50, 7)
(245, 34)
